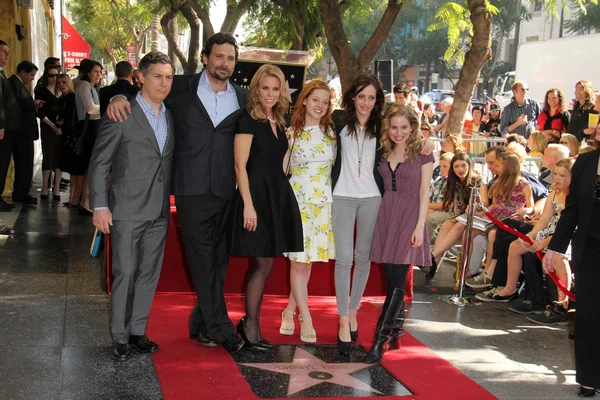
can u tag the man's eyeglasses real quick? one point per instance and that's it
(52, 75)
(524, 89)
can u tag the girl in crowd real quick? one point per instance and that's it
(311, 158)
(357, 188)
(425, 130)
(51, 132)
(400, 238)
(582, 211)
(509, 193)
(452, 144)
(456, 193)
(69, 162)
(537, 144)
(429, 114)
(541, 234)
(571, 142)
(583, 106)
(265, 220)
(554, 118)
(88, 114)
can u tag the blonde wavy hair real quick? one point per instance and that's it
(571, 142)
(519, 150)
(538, 141)
(254, 107)
(413, 143)
(457, 142)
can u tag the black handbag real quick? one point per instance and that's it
(80, 143)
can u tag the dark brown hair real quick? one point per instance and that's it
(373, 125)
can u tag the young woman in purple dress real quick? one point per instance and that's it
(400, 227)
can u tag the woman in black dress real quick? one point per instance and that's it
(580, 222)
(51, 132)
(265, 219)
(67, 121)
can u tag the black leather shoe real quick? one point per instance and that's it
(233, 344)
(5, 230)
(583, 392)
(120, 351)
(142, 344)
(241, 330)
(203, 338)
(4, 206)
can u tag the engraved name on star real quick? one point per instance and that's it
(306, 371)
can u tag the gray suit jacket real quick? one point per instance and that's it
(140, 176)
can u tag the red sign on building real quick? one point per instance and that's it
(75, 48)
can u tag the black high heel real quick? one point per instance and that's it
(354, 336)
(344, 348)
(241, 330)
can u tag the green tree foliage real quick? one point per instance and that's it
(586, 20)
(284, 24)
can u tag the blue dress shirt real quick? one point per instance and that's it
(157, 122)
(218, 104)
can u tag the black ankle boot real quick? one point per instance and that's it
(385, 325)
(431, 274)
(397, 330)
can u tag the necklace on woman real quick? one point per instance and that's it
(271, 120)
(360, 149)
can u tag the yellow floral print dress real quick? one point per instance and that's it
(312, 157)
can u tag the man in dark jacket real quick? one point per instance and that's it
(9, 121)
(22, 146)
(123, 85)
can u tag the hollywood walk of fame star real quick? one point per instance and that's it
(292, 76)
(306, 371)
(289, 90)
(245, 80)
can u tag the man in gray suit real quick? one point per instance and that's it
(134, 207)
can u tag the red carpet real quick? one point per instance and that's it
(189, 371)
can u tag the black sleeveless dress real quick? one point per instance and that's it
(279, 226)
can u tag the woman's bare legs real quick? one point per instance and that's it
(515, 264)
(563, 273)
(449, 234)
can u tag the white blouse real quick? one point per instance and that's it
(350, 183)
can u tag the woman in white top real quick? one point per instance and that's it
(357, 188)
(87, 102)
(311, 158)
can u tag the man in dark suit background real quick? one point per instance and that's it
(22, 146)
(134, 208)
(205, 108)
(123, 85)
(9, 123)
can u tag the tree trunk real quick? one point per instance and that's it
(479, 53)
(193, 50)
(174, 30)
(171, 36)
(235, 11)
(110, 53)
(348, 65)
(298, 43)
(154, 34)
(203, 15)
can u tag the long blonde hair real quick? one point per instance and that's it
(254, 107)
(572, 143)
(539, 142)
(413, 143)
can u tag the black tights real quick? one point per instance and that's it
(395, 278)
(255, 288)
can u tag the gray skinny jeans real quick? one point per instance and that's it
(346, 211)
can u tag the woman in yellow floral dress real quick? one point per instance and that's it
(311, 159)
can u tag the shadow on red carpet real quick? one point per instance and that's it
(189, 371)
